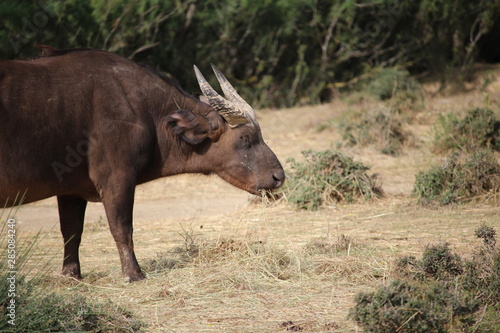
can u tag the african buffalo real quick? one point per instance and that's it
(88, 125)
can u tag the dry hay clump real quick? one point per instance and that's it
(461, 178)
(441, 292)
(326, 178)
(254, 257)
(250, 265)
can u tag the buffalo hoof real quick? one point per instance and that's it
(72, 276)
(71, 271)
(134, 277)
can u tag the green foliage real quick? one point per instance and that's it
(448, 24)
(55, 313)
(478, 128)
(487, 234)
(382, 127)
(438, 261)
(328, 177)
(279, 53)
(389, 82)
(462, 177)
(393, 307)
(439, 293)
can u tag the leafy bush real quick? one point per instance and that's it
(487, 234)
(478, 128)
(382, 127)
(461, 178)
(437, 293)
(394, 307)
(328, 177)
(281, 53)
(438, 261)
(389, 82)
(57, 313)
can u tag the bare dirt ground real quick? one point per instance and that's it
(275, 275)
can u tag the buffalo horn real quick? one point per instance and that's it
(230, 111)
(231, 94)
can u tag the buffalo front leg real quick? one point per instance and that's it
(71, 216)
(119, 202)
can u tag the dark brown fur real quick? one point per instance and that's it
(87, 125)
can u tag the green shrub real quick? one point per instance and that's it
(392, 82)
(438, 261)
(328, 177)
(381, 127)
(463, 177)
(56, 313)
(406, 307)
(478, 128)
(439, 293)
(281, 53)
(487, 234)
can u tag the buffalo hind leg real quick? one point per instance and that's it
(118, 200)
(71, 216)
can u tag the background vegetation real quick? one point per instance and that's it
(461, 178)
(280, 53)
(442, 292)
(328, 177)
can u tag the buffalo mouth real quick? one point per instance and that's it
(275, 181)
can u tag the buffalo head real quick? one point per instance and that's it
(227, 140)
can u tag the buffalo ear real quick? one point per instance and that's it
(202, 98)
(188, 126)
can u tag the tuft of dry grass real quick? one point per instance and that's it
(263, 267)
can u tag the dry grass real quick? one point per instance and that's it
(261, 268)
(271, 268)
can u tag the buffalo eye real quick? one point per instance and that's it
(244, 142)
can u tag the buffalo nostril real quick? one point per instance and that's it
(279, 178)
